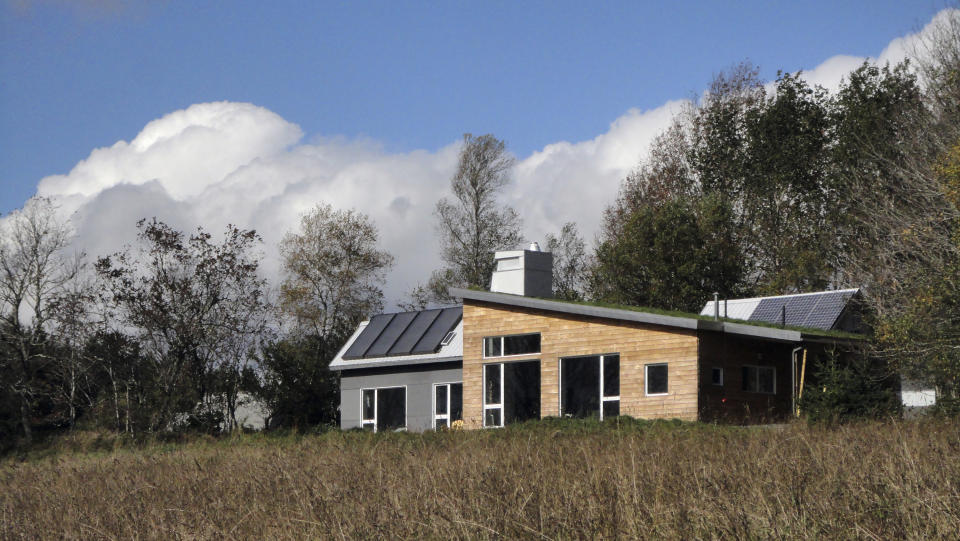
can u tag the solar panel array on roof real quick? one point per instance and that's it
(444, 323)
(404, 333)
(370, 333)
(818, 311)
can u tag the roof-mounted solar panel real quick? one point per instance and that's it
(390, 334)
(415, 331)
(444, 323)
(367, 337)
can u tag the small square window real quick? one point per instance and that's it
(656, 379)
(716, 376)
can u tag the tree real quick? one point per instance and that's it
(33, 270)
(474, 225)
(194, 307)
(570, 264)
(332, 272)
(298, 387)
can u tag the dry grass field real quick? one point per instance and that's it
(547, 480)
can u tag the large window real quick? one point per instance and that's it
(384, 409)
(518, 344)
(447, 404)
(655, 378)
(590, 386)
(511, 392)
(760, 379)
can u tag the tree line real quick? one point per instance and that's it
(755, 189)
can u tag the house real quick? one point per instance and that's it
(826, 310)
(513, 353)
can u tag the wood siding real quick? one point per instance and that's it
(729, 402)
(565, 335)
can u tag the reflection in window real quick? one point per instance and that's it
(590, 386)
(520, 344)
(656, 378)
(760, 379)
(511, 392)
(384, 409)
(448, 404)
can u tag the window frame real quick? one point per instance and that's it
(756, 379)
(376, 406)
(602, 358)
(433, 401)
(483, 346)
(712, 369)
(496, 406)
(646, 379)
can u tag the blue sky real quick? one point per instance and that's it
(406, 75)
(251, 113)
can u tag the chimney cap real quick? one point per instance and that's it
(534, 247)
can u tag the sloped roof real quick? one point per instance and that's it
(420, 337)
(817, 310)
(760, 330)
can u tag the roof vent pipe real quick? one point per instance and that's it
(716, 306)
(783, 315)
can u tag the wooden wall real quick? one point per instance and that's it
(564, 335)
(730, 403)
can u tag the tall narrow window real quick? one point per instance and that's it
(447, 404)
(590, 386)
(511, 392)
(383, 409)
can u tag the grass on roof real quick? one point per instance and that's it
(689, 315)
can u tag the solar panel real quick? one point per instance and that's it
(368, 336)
(389, 336)
(768, 310)
(828, 310)
(444, 323)
(819, 311)
(415, 331)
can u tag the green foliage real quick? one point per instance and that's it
(298, 386)
(671, 256)
(850, 387)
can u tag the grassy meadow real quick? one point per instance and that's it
(545, 480)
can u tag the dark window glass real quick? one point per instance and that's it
(491, 346)
(456, 402)
(749, 374)
(580, 387)
(521, 400)
(367, 427)
(441, 399)
(492, 382)
(716, 376)
(656, 378)
(492, 417)
(519, 345)
(441, 423)
(611, 375)
(369, 397)
(391, 408)
(765, 380)
(611, 408)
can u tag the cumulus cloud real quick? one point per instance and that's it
(218, 163)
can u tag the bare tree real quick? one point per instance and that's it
(194, 307)
(32, 272)
(474, 225)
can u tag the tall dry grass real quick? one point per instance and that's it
(544, 481)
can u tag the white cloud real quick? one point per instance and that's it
(218, 163)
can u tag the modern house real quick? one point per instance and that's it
(513, 353)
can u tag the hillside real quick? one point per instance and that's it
(550, 479)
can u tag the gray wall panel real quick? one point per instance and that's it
(418, 380)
